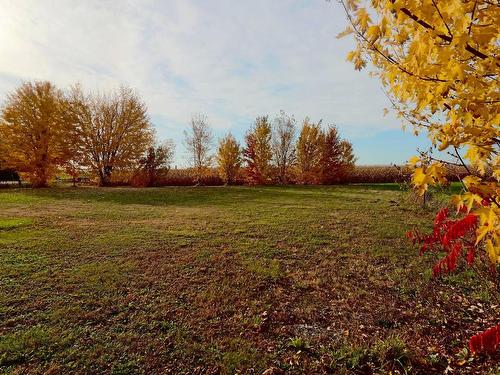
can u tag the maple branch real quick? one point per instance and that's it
(446, 38)
(442, 18)
(426, 155)
(351, 21)
(389, 59)
(461, 160)
(490, 3)
(472, 17)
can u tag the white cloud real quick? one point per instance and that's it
(230, 60)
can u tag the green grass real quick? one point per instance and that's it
(6, 224)
(14, 347)
(224, 280)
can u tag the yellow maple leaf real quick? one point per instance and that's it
(363, 18)
(413, 161)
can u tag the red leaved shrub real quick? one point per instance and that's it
(486, 342)
(457, 238)
(450, 236)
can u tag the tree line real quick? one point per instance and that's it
(44, 130)
(273, 153)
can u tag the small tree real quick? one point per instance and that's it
(257, 153)
(114, 130)
(158, 159)
(73, 168)
(331, 156)
(309, 152)
(34, 131)
(283, 145)
(228, 158)
(198, 140)
(348, 160)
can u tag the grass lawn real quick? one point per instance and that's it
(228, 279)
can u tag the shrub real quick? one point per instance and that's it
(189, 177)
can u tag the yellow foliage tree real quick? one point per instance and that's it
(438, 61)
(258, 151)
(309, 152)
(34, 131)
(228, 158)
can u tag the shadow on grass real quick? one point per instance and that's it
(164, 196)
(191, 196)
(381, 186)
(453, 188)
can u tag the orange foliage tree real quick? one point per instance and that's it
(155, 163)
(34, 131)
(337, 157)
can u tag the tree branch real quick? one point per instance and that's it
(442, 18)
(389, 58)
(461, 160)
(444, 37)
(472, 17)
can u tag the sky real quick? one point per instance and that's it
(229, 60)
